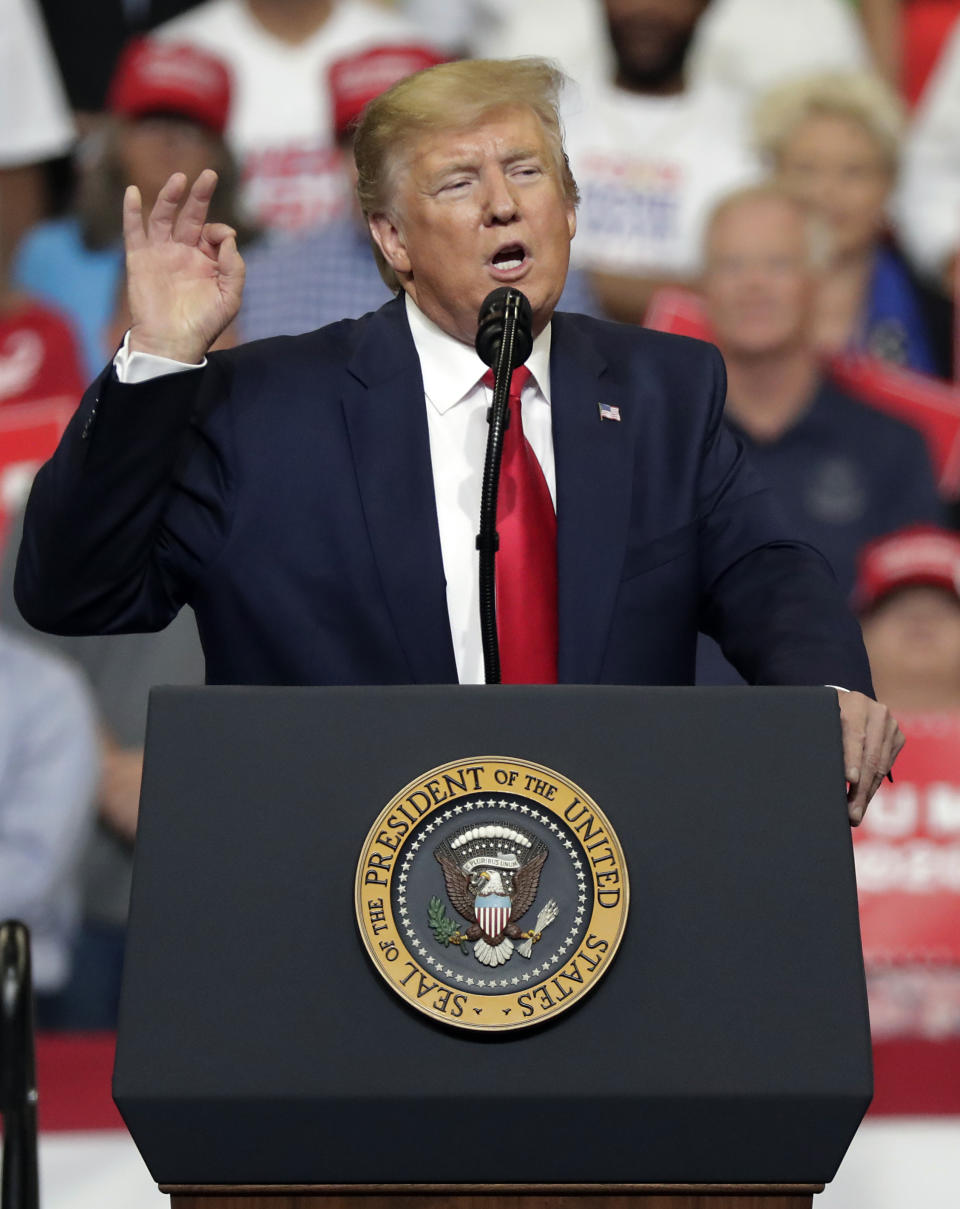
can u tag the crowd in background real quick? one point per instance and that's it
(782, 178)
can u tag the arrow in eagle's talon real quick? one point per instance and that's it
(547, 915)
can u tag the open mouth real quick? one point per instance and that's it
(510, 257)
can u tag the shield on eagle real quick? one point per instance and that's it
(493, 915)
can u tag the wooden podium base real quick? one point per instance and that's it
(496, 1196)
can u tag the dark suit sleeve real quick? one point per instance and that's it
(98, 553)
(771, 601)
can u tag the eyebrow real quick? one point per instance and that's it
(523, 153)
(469, 164)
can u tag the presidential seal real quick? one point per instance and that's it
(491, 893)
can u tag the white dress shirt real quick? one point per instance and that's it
(456, 403)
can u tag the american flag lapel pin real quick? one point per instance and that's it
(608, 413)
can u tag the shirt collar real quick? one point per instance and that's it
(451, 369)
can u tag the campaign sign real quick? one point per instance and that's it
(907, 851)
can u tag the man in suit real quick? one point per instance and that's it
(315, 497)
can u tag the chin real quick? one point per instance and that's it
(543, 303)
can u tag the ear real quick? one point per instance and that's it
(389, 240)
(571, 219)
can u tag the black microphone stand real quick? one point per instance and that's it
(504, 341)
(19, 1184)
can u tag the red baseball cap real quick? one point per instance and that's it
(170, 77)
(356, 79)
(919, 554)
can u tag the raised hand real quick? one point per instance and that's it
(184, 275)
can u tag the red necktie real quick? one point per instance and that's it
(527, 556)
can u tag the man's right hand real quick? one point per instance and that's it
(184, 275)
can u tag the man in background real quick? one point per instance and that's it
(49, 768)
(281, 128)
(908, 599)
(118, 671)
(842, 471)
(299, 281)
(651, 155)
(167, 107)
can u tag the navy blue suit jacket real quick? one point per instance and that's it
(286, 492)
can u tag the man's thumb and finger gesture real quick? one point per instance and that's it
(184, 274)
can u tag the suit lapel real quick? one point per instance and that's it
(387, 425)
(594, 460)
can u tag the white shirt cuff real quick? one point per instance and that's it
(133, 367)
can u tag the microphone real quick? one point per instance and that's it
(504, 341)
(505, 309)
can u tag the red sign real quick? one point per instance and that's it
(679, 311)
(928, 404)
(908, 851)
(29, 433)
(38, 355)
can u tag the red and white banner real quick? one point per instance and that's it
(678, 311)
(930, 405)
(908, 851)
(29, 433)
(39, 357)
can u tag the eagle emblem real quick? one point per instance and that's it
(492, 874)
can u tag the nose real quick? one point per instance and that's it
(500, 201)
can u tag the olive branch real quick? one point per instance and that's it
(444, 929)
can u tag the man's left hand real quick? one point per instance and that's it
(871, 742)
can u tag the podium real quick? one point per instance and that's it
(722, 1061)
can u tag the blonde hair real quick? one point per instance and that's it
(816, 231)
(451, 96)
(861, 97)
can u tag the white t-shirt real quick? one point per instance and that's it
(650, 169)
(749, 46)
(571, 32)
(280, 125)
(35, 121)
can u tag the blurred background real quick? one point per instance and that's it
(781, 177)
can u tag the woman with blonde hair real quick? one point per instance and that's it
(833, 141)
